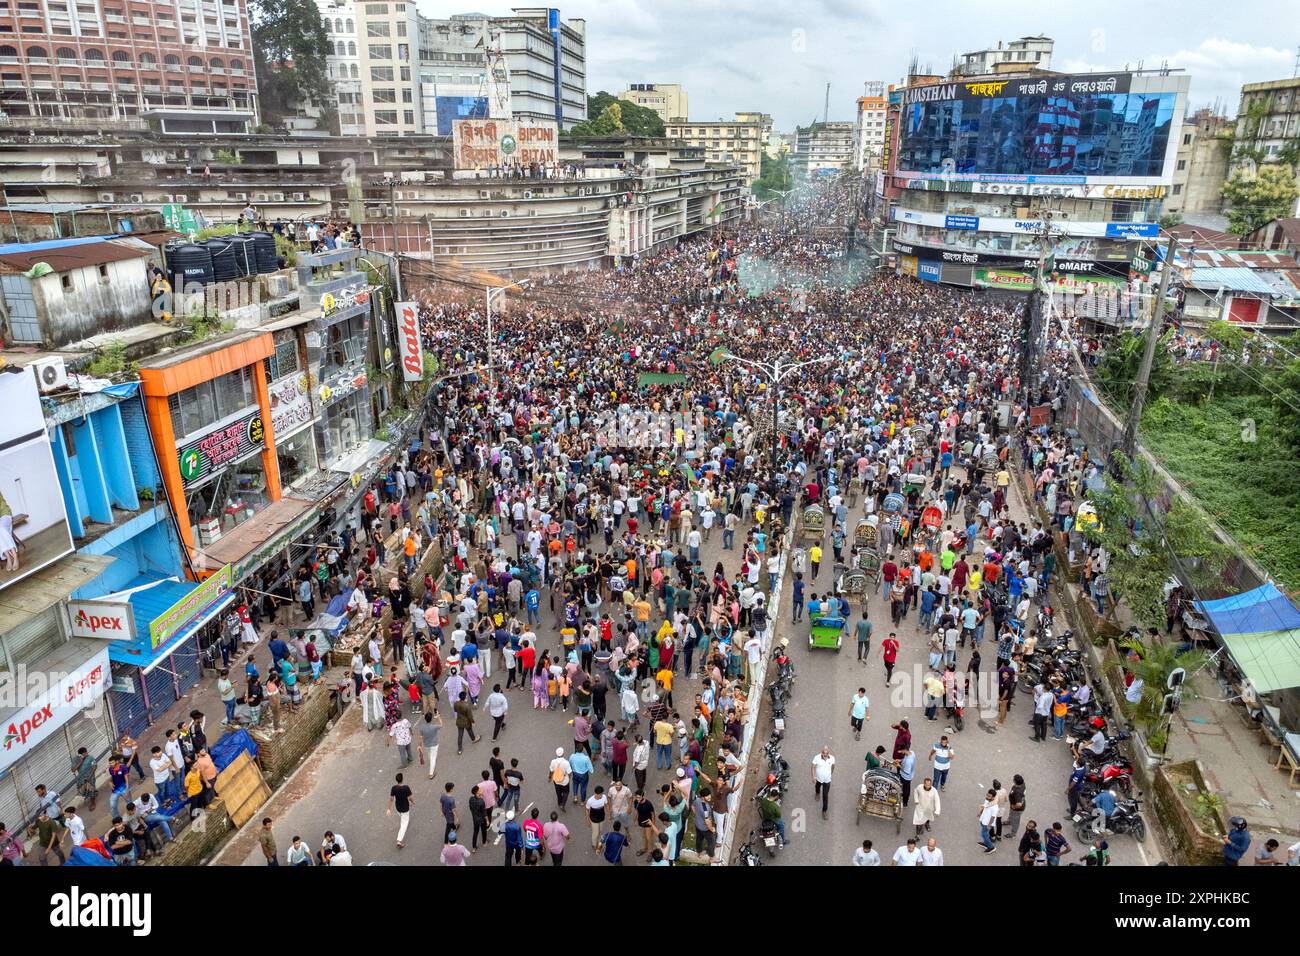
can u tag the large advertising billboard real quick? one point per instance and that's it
(34, 528)
(1064, 130)
(487, 143)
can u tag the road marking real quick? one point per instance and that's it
(500, 835)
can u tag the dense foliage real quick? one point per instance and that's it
(1230, 432)
(607, 115)
(289, 50)
(774, 177)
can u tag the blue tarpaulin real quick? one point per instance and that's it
(84, 856)
(1264, 608)
(225, 751)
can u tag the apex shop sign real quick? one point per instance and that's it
(481, 143)
(106, 620)
(223, 446)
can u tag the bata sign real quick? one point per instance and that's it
(106, 620)
(409, 346)
(483, 143)
(44, 710)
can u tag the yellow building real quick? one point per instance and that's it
(739, 141)
(667, 99)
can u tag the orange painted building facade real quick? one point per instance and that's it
(205, 457)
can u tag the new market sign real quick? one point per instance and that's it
(220, 448)
(191, 607)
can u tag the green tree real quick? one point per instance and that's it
(1121, 364)
(1171, 219)
(608, 123)
(637, 120)
(289, 49)
(1157, 660)
(774, 177)
(1259, 199)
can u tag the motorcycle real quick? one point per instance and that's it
(771, 837)
(746, 855)
(1125, 819)
(784, 663)
(1118, 773)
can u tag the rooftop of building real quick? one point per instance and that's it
(1267, 85)
(62, 255)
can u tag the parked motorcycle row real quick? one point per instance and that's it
(777, 778)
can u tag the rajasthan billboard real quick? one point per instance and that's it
(34, 528)
(484, 143)
(1058, 129)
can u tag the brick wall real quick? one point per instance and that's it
(199, 841)
(279, 753)
(1191, 845)
(139, 445)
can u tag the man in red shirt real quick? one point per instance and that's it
(888, 571)
(527, 659)
(889, 651)
(959, 571)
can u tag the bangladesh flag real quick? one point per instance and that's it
(717, 355)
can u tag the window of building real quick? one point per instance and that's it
(381, 51)
(376, 9)
(406, 74)
(1182, 164)
(1187, 139)
(406, 95)
(197, 409)
(352, 48)
(380, 29)
(381, 74)
(385, 117)
(408, 117)
(66, 280)
(1178, 189)
(385, 96)
(340, 48)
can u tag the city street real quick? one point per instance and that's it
(344, 785)
(818, 715)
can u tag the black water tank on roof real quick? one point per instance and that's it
(267, 257)
(224, 266)
(188, 264)
(245, 249)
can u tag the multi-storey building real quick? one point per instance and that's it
(824, 147)
(740, 141)
(397, 73)
(184, 66)
(870, 130)
(1268, 124)
(1201, 165)
(1027, 53)
(669, 100)
(1073, 170)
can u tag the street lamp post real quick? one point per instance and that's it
(776, 372)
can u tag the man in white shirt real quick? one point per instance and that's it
(931, 855)
(822, 766)
(865, 855)
(907, 855)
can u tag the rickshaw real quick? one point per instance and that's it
(864, 533)
(932, 518)
(881, 795)
(814, 523)
(893, 503)
(868, 560)
(826, 630)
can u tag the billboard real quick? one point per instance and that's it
(34, 527)
(40, 717)
(1059, 129)
(482, 143)
(410, 348)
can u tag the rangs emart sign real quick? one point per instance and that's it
(49, 705)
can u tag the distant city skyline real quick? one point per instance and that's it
(778, 57)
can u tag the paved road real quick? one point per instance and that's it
(344, 785)
(818, 715)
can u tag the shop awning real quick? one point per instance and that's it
(151, 601)
(1261, 629)
(358, 459)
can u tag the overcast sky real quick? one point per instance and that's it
(778, 57)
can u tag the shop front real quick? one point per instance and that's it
(210, 415)
(176, 626)
(52, 685)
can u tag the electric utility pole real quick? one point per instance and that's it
(1035, 314)
(1148, 357)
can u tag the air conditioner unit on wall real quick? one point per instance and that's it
(505, 213)
(51, 374)
(464, 214)
(105, 197)
(136, 197)
(528, 194)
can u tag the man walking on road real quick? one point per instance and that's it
(889, 652)
(822, 766)
(428, 745)
(859, 710)
(863, 631)
(399, 799)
